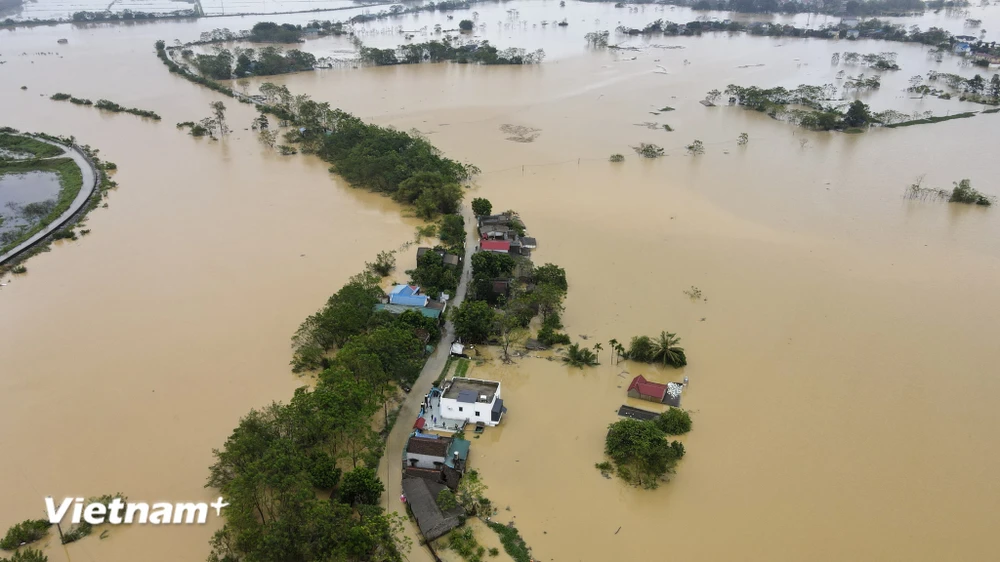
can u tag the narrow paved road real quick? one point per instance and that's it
(391, 466)
(89, 175)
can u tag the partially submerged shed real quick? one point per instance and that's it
(421, 499)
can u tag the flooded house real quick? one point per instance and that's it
(448, 259)
(402, 298)
(473, 400)
(435, 458)
(421, 501)
(669, 394)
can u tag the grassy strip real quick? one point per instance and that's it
(994, 110)
(512, 541)
(462, 368)
(932, 120)
(70, 179)
(444, 371)
(28, 145)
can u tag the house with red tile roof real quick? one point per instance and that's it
(498, 246)
(654, 392)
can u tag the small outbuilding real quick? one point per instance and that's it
(421, 500)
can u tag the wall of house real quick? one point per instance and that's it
(450, 409)
(424, 461)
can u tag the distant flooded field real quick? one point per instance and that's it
(841, 363)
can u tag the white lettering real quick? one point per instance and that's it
(94, 514)
(142, 508)
(161, 513)
(78, 510)
(56, 516)
(191, 509)
(115, 511)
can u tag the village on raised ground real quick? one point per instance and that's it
(499, 280)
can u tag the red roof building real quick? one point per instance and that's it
(653, 391)
(498, 246)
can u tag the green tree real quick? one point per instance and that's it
(361, 486)
(323, 472)
(465, 25)
(474, 321)
(27, 531)
(580, 357)
(550, 274)
(995, 86)
(385, 262)
(976, 84)
(446, 500)
(858, 114)
(471, 490)
(452, 230)
(481, 206)
(641, 349)
(434, 276)
(674, 422)
(27, 555)
(665, 349)
(641, 451)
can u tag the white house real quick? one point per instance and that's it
(472, 400)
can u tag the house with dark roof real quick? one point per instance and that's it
(643, 389)
(448, 259)
(421, 501)
(472, 400)
(436, 458)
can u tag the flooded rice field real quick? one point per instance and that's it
(842, 363)
(24, 197)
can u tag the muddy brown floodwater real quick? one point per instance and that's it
(843, 362)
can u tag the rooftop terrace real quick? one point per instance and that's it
(472, 390)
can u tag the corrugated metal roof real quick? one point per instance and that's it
(400, 308)
(495, 245)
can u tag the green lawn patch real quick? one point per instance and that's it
(28, 146)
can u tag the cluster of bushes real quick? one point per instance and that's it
(270, 32)
(107, 105)
(641, 452)
(965, 193)
(27, 555)
(407, 168)
(663, 349)
(129, 15)
(868, 29)
(112, 106)
(819, 116)
(433, 276)
(161, 53)
(25, 532)
(267, 61)
(349, 322)
(439, 51)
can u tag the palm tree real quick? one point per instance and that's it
(665, 347)
(598, 347)
(613, 344)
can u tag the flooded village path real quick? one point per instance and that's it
(391, 464)
(90, 177)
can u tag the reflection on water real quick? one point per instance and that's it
(841, 368)
(24, 198)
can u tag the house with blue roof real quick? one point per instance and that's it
(407, 295)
